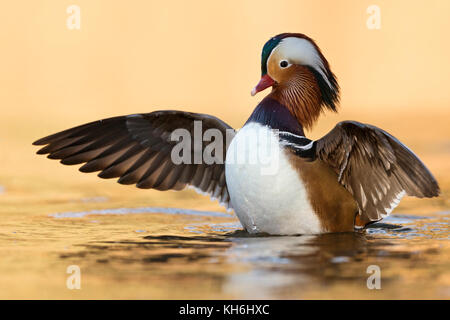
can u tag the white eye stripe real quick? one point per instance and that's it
(302, 51)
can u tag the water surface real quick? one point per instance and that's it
(154, 253)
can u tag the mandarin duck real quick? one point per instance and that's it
(275, 179)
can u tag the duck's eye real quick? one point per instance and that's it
(284, 64)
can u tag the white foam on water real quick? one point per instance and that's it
(94, 199)
(143, 210)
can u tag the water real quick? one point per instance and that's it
(157, 253)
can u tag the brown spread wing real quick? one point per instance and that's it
(376, 168)
(137, 150)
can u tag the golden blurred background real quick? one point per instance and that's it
(134, 55)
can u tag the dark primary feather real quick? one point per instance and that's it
(137, 150)
(374, 167)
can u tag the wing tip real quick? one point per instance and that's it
(45, 140)
(37, 143)
(88, 168)
(431, 189)
(41, 151)
(435, 191)
(53, 156)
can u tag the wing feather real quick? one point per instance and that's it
(137, 150)
(375, 167)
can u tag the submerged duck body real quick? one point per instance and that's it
(275, 179)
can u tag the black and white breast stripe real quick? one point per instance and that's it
(300, 145)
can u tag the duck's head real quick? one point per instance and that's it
(300, 76)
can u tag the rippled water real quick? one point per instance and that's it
(154, 253)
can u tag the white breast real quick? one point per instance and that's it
(266, 192)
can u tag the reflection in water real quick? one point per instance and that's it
(216, 259)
